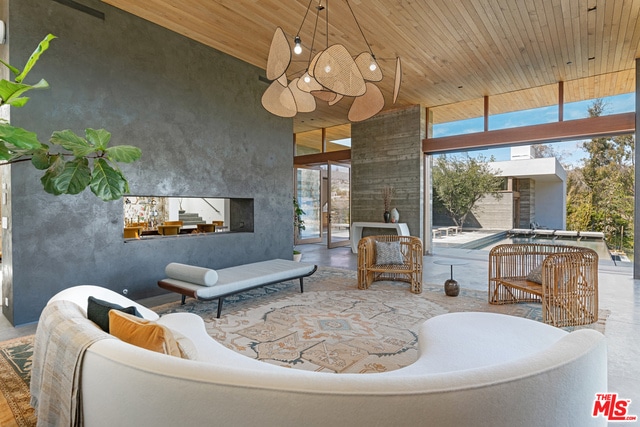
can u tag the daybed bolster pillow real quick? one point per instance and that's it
(192, 274)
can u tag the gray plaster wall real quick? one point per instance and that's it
(197, 117)
(386, 150)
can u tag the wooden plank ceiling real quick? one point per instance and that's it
(453, 52)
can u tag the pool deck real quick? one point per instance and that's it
(486, 239)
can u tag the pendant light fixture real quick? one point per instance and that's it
(330, 75)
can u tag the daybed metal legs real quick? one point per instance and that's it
(220, 300)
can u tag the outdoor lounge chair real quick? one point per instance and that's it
(406, 267)
(565, 282)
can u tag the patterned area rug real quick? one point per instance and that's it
(335, 327)
(15, 374)
(331, 327)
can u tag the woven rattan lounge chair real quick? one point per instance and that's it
(568, 288)
(408, 269)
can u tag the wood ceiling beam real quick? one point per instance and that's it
(561, 101)
(616, 124)
(312, 159)
(486, 113)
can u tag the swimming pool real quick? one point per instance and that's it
(598, 245)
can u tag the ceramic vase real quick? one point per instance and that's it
(387, 216)
(395, 215)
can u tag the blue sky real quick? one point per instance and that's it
(571, 151)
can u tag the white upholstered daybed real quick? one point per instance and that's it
(206, 284)
(474, 369)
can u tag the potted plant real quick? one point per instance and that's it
(71, 162)
(298, 226)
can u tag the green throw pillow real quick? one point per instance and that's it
(98, 312)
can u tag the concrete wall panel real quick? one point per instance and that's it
(386, 150)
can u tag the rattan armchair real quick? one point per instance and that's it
(409, 271)
(569, 288)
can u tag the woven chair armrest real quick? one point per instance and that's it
(367, 251)
(560, 269)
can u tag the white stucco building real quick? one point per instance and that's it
(537, 190)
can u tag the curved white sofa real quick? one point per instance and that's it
(474, 369)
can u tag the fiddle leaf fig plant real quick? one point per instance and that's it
(71, 162)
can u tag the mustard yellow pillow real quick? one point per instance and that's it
(143, 333)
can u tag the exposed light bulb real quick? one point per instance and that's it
(327, 69)
(373, 64)
(306, 78)
(297, 49)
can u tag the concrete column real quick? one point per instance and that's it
(386, 150)
(428, 204)
(636, 216)
(428, 188)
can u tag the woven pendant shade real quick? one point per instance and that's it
(312, 64)
(398, 80)
(305, 102)
(364, 61)
(367, 105)
(308, 86)
(336, 100)
(279, 55)
(329, 75)
(325, 95)
(278, 99)
(337, 71)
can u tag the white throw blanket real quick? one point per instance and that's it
(62, 336)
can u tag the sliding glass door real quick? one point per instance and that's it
(339, 205)
(308, 192)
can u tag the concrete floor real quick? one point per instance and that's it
(618, 293)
